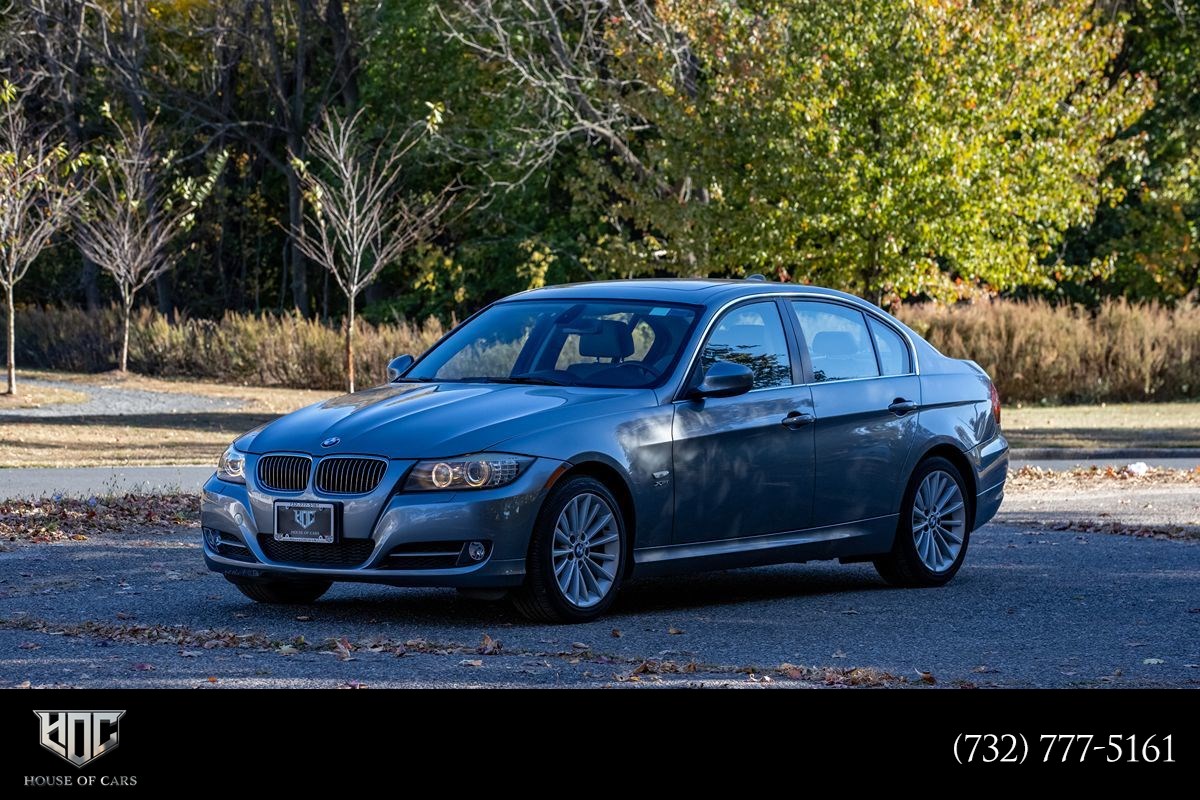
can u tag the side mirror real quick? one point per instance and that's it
(398, 365)
(724, 379)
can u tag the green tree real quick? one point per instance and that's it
(890, 148)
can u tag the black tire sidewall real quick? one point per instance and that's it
(905, 541)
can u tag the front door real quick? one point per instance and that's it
(865, 398)
(743, 466)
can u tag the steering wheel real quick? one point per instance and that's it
(649, 374)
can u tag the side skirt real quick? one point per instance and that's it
(849, 542)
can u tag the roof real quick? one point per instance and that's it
(693, 291)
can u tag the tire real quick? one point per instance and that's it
(542, 597)
(286, 592)
(924, 554)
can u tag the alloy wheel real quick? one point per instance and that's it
(939, 521)
(587, 550)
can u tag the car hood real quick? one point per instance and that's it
(431, 420)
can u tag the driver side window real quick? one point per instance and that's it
(752, 335)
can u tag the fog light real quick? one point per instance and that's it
(212, 538)
(476, 550)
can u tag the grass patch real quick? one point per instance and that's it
(1104, 427)
(38, 396)
(142, 439)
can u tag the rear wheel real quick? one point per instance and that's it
(295, 592)
(573, 570)
(933, 530)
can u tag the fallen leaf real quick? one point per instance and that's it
(581, 646)
(190, 653)
(471, 662)
(839, 653)
(927, 677)
(29, 646)
(616, 634)
(142, 666)
(488, 646)
(673, 631)
(303, 618)
(1152, 661)
(212, 678)
(353, 685)
(287, 650)
(23, 685)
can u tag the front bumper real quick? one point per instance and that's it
(237, 520)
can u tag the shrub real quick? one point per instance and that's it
(263, 350)
(1036, 352)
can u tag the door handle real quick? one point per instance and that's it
(900, 406)
(796, 420)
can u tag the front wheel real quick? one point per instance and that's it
(286, 592)
(933, 530)
(573, 570)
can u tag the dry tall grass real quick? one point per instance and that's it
(1034, 351)
(263, 350)
(1038, 352)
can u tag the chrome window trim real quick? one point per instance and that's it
(864, 308)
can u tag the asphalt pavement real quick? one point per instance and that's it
(1031, 607)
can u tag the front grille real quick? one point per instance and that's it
(429, 555)
(284, 473)
(346, 553)
(339, 475)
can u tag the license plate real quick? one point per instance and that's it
(304, 522)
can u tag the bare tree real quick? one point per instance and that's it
(36, 199)
(562, 53)
(357, 219)
(131, 221)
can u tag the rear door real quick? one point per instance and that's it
(743, 465)
(865, 397)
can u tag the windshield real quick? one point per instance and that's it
(604, 343)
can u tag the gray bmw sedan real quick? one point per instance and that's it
(565, 439)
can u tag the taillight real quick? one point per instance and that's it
(995, 402)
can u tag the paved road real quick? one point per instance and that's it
(99, 481)
(1031, 608)
(109, 401)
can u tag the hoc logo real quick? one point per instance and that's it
(79, 736)
(305, 518)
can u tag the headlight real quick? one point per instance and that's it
(232, 466)
(484, 471)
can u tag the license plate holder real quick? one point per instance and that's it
(315, 523)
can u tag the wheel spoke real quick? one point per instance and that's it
(585, 550)
(938, 520)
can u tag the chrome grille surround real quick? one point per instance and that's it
(349, 474)
(284, 473)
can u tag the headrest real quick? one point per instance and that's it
(612, 339)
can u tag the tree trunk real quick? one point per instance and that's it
(298, 265)
(125, 336)
(350, 342)
(89, 280)
(12, 342)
